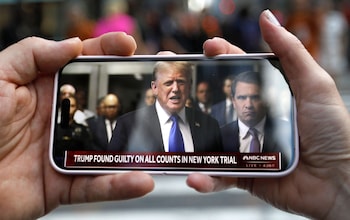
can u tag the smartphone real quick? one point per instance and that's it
(112, 114)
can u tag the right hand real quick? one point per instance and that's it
(320, 185)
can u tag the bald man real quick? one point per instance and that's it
(102, 126)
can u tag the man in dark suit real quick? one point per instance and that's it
(254, 131)
(223, 111)
(231, 137)
(102, 126)
(148, 129)
(203, 97)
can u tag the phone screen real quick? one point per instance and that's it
(228, 115)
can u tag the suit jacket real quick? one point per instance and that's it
(140, 131)
(276, 138)
(218, 111)
(98, 131)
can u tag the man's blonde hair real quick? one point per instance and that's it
(181, 66)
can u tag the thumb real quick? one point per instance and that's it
(22, 62)
(301, 70)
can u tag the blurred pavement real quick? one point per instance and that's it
(173, 200)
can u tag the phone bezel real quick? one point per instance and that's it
(186, 57)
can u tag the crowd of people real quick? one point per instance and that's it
(178, 29)
(82, 129)
(79, 128)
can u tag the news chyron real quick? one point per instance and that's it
(178, 161)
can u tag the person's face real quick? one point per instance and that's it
(111, 107)
(227, 87)
(149, 97)
(171, 88)
(203, 93)
(66, 92)
(189, 103)
(100, 110)
(248, 104)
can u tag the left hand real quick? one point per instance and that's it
(29, 186)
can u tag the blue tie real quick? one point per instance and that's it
(176, 142)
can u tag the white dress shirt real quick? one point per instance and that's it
(204, 109)
(245, 138)
(228, 105)
(165, 126)
(110, 127)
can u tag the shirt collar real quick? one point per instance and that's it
(164, 116)
(243, 129)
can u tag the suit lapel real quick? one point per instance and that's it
(154, 130)
(236, 141)
(103, 129)
(195, 127)
(269, 143)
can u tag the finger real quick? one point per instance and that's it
(204, 183)
(216, 46)
(21, 62)
(114, 43)
(166, 53)
(110, 187)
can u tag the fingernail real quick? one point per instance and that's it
(271, 17)
(71, 40)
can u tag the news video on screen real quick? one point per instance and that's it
(209, 115)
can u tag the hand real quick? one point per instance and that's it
(29, 186)
(319, 187)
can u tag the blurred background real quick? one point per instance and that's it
(182, 26)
